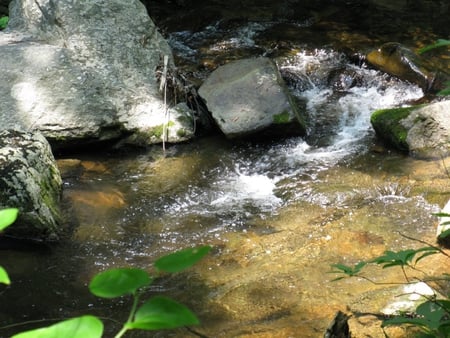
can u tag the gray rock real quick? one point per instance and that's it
(428, 130)
(249, 96)
(423, 131)
(30, 181)
(84, 71)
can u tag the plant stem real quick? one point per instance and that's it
(121, 332)
(130, 316)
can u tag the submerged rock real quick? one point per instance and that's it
(402, 62)
(30, 181)
(249, 96)
(423, 131)
(83, 72)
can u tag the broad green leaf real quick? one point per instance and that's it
(181, 260)
(4, 278)
(80, 327)
(118, 282)
(8, 217)
(437, 44)
(432, 312)
(161, 313)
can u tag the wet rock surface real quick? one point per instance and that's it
(397, 60)
(30, 181)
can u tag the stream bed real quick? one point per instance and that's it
(278, 214)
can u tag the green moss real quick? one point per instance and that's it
(158, 130)
(181, 132)
(282, 118)
(386, 123)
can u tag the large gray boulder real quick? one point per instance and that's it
(249, 96)
(85, 71)
(30, 181)
(423, 131)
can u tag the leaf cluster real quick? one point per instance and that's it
(156, 313)
(433, 316)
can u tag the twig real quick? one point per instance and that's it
(426, 243)
(162, 85)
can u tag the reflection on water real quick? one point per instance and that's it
(278, 214)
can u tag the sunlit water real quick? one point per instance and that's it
(307, 193)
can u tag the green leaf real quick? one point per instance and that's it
(441, 214)
(432, 312)
(80, 327)
(161, 313)
(8, 217)
(4, 278)
(445, 91)
(118, 282)
(181, 260)
(437, 44)
(426, 251)
(391, 258)
(4, 22)
(350, 271)
(444, 234)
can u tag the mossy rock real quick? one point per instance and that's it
(30, 181)
(423, 130)
(386, 123)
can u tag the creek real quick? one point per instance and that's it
(277, 213)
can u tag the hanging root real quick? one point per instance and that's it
(176, 88)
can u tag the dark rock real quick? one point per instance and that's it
(30, 181)
(338, 328)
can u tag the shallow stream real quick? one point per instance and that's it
(277, 214)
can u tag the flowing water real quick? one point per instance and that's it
(277, 214)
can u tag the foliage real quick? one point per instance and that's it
(80, 327)
(439, 43)
(3, 22)
(157, 313)
(7, 217)
(432, 317)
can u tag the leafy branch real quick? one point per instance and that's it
(432, 317)
(157, 313)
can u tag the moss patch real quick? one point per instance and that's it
(386, 123)
(282, 118)
(157, 131)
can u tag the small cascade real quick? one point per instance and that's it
(339, 98)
